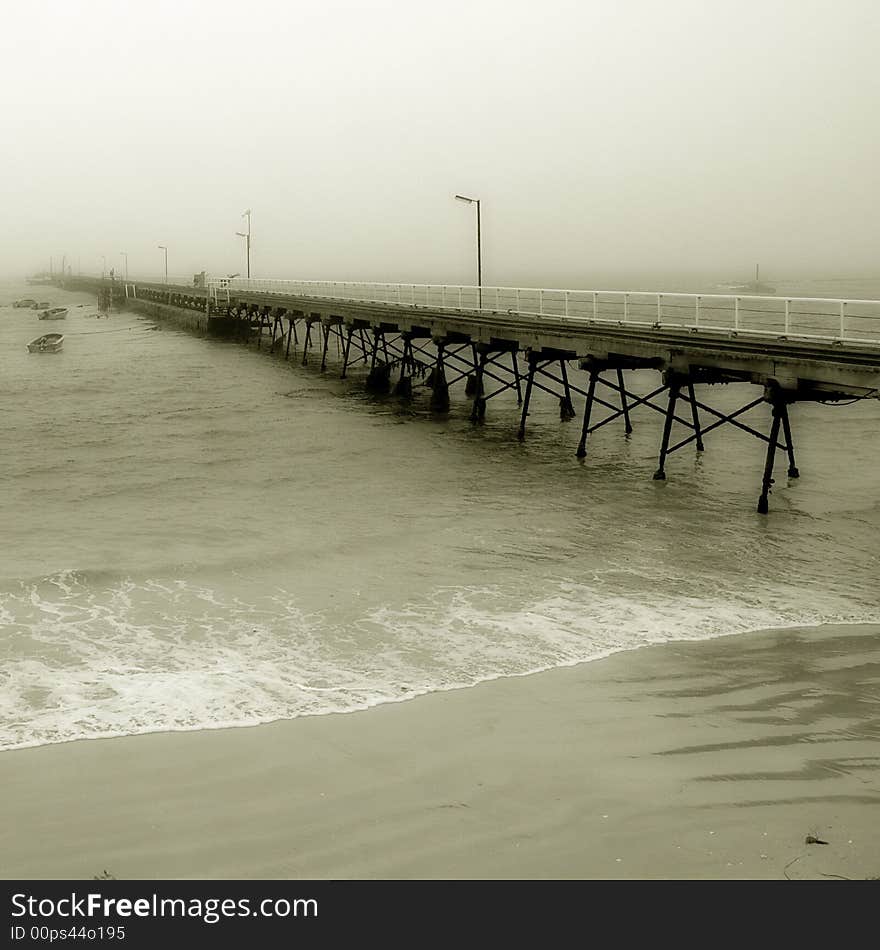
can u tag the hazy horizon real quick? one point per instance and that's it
(606, 142)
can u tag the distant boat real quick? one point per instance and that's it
(752, 287)
(42, 305)
(25, 302)
(47, 343)
(55, 313)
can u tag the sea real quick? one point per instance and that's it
(196, 534)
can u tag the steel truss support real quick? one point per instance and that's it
(628, 400)
(439, 384)
(263, 321)
(307, 341)
(482, 355)
(538, 363)
(277, 327)
(325, 330)
(379, 377)
(346, 349)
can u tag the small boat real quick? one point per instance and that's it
(25, 302)
(47, 343)
(55, 313)
(755, 287)
(42, 305)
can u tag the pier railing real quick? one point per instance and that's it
(817, 318)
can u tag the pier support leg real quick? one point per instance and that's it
(403, 388)
(306, 342)
(346, 350)
(326, 331)
(566, 409)
(478, 410)
(588, 409)
(696, 417)
(470, 385)
(763, 506)
(789, 445)
(660, 474)
(440, 388)
(517, 377)
(624, 405)
(530, 377)
(289, 337)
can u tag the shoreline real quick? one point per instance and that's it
(685, 759)
(437, 690)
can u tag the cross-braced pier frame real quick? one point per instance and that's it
(405, 359)
(497, 341)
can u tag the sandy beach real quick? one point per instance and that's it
(712, 759)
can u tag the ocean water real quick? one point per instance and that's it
(195, 534)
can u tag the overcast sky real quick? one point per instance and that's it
(609, 140)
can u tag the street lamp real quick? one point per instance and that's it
(247, 237)
(165, 249)
(476, 201)
(124, 255)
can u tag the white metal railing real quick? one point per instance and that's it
(175, 281)
(816, 318)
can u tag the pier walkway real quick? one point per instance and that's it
(497, 339)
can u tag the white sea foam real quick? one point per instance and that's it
(86, 660)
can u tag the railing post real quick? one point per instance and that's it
(659, 308)
(541, 302)
(566, 304)
(697, 312)
(459, 296)
(443, 296)
(625, 307)
(787, 314)
(595, 305)
(736, 313)
(842, 319)
(518, 306)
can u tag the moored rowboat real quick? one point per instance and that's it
(47, 343)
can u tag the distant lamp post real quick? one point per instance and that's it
(247, 237)
(124, 256)
(103, 266)
(476, 201)
(165, 249)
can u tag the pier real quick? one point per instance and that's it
(566, 343)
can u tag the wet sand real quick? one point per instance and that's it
(688, 760)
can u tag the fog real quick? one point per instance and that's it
(609, 141)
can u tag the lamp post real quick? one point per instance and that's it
(247, 237)
(165, 249)
(476, 201)
(124, 255)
